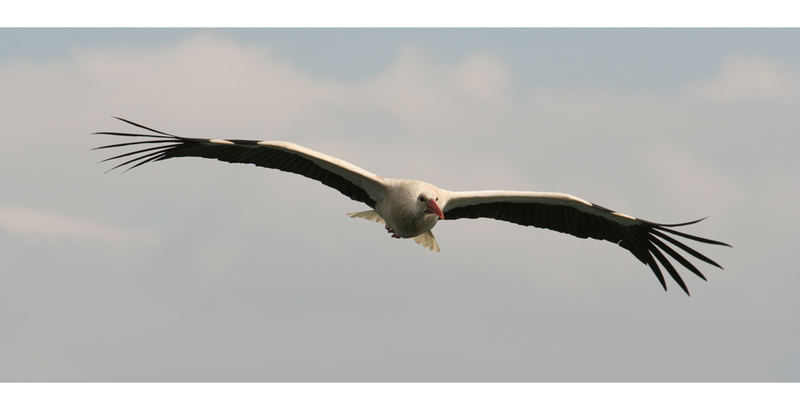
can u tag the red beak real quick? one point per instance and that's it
(434, 208)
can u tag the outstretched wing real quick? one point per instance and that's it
(350, 180)
(648, 241)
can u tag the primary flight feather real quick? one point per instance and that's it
(410, 209)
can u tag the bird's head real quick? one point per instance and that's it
(427, 204)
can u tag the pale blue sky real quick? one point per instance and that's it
(622, 59)
(197, 270)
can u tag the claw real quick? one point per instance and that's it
(391, 231)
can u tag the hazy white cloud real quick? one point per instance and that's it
(28, 222)
(421, 96)
(250, 90)
(743, 78)
(688, 180)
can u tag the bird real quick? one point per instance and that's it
(410, 208)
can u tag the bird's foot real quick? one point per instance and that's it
(391, 231)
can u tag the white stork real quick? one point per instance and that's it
(410, 209)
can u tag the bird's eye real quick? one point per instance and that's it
(437, 199)
(421, 198)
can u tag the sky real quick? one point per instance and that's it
(197, 270)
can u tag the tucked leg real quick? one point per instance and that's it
(391, 231)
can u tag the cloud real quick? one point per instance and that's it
(687, 180)
(749, 78)
(427, 96)
(28, 222)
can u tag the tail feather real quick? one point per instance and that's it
(370, 215)
(426, 239)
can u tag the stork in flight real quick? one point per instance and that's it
(410, 209)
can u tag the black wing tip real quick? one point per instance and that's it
(124, 120)
(663, 231)
(664, 227)
(683, 223)
(127, 121)
(143, 127)
(663, 282)
(667, 226)
(103, 133)
(158, 140)
(686, 291)
(683, 288)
